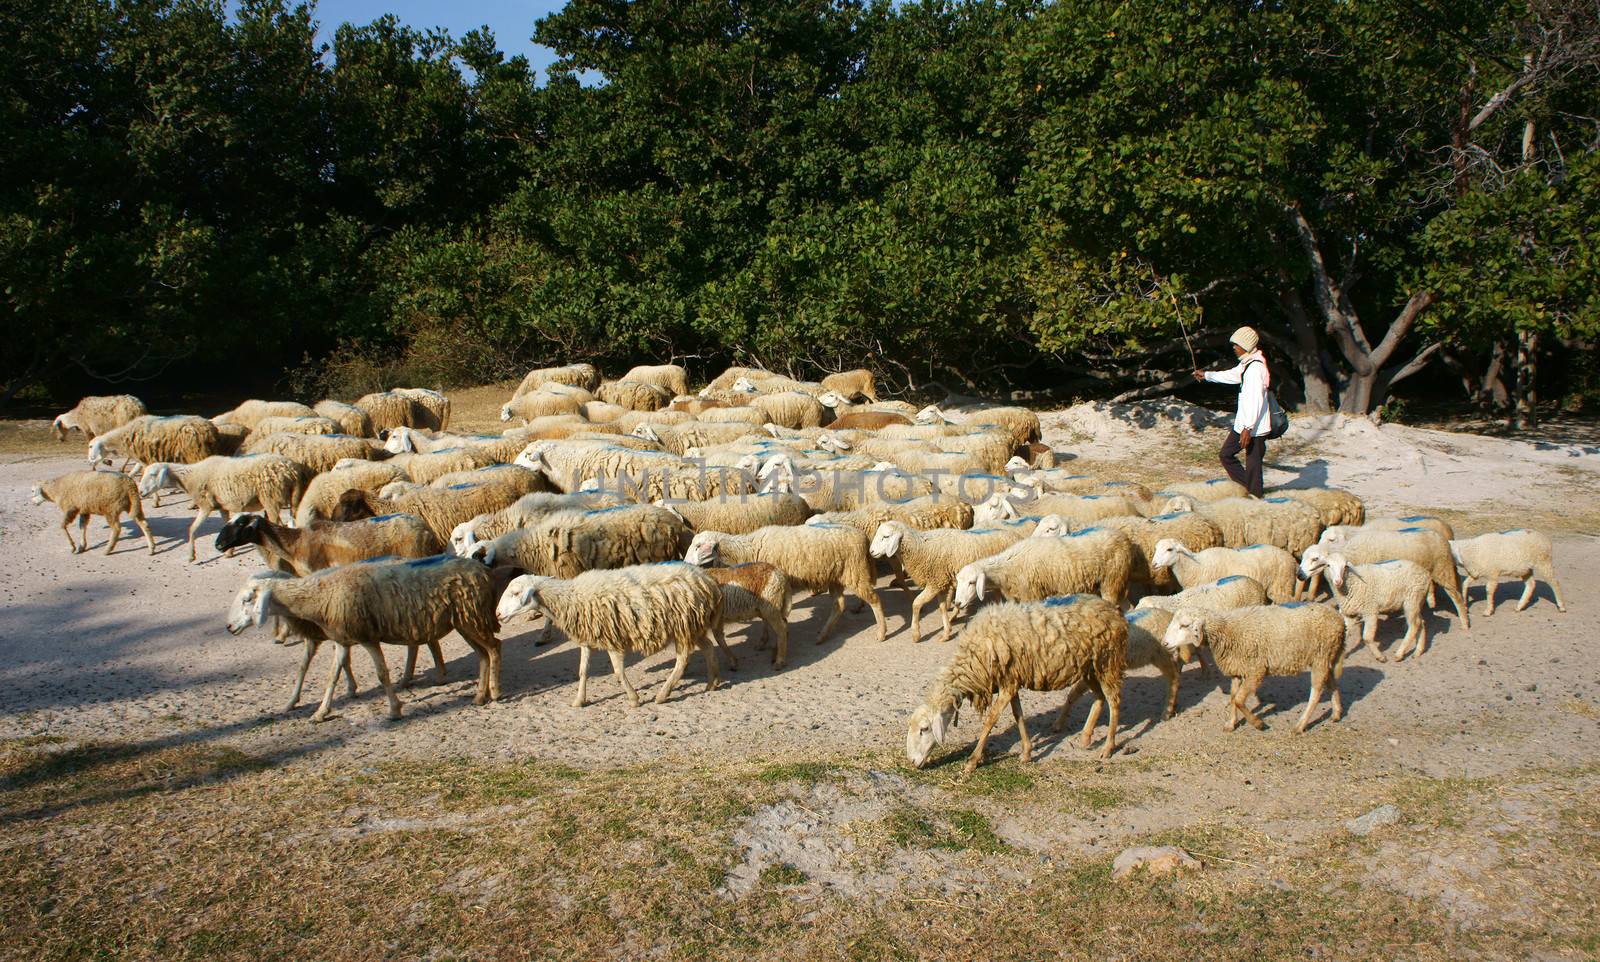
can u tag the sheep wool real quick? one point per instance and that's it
(538, 404)
(791, 409)
(756, 592)
(325, 544)
(634, 395)
(252, 412)
(671, 377)
(319, 452)
(932, 558)
(180, 438)
(1331, 504)
(82, 494)
(269, 483)
(583, 376)
(323, 492)
(1289, 524)
(853, 384)
(300, 424)
(1271, 566)
(1045, 646)
(741, 514)
(640, 608)
(352, 420)
(1187, 528)
(97, 414)
(1093, 560)
(1516, 554)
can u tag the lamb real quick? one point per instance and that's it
(1291, 525)
(1146, 628)
(740, 515)
(319, 452)
(830, 558)
(932, 558)
(578, 375)
(326, 544)
(634, 395)
(1332, 505)
(1250, 643)
(641, 608)
(1367, 592)
(81, 494)
(672, 377)
(790, 409)
(538, 404)
(852, 384)
(180, 438)
(97, 414)
(413, 602)
(1187, 528)
(1268, 564)
(1049, 646)
(755, 591)
(269, 483)
(1034, 454)
(1091, 560)
(1424, 547)
(352, 420)
(251, 412)
(1518, 553)
(299, 424)
(323, 492)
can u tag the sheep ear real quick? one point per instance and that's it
(982, 584)
(258, 614)
(938, 726)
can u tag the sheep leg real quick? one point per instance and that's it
(115, 523)
(989, 718)
(1169, 670)
(1369, 636)
(672, 679)
(300, 677)
(1318, 679)
(1233, 705)
(1086, 738)
(1454, 594)
(775, 625)
(944, 611)
(836, 595)
(1112, 696)
(713, 679)
(722, 643)
(1078, 688)
(1022, 728)
(438, 660)
(149, 538)
(411, 666)
(1522, 605)
(83, 535)
(923, 597)
(1333, 682)
(583, 679)
(622, 673)
(344, 668)
(383, 676)
(323, 710)
(1491, 585)
(199, 518)
(877, 613)
(1241, 698)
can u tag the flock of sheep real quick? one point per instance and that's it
(635, 517)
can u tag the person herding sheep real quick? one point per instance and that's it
(1252, 423)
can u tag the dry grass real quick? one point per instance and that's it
(189, 852)
(32, 438)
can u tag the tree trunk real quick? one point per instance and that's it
(1526, 413)
(1306, 354)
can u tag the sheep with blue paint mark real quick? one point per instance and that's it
(1285, 522)
(1366, 592)
(1269, 564)
(1092, 561)
(932, 558)
(1146, 628)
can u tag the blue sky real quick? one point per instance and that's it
(511, 20)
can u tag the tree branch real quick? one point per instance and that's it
(1415, 305)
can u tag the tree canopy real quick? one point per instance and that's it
(990, 193)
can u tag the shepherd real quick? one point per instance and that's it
(1253, 422)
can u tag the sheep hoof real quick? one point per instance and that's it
(777, 666)
(1258, 724)
(1382, 658)
(320, 716)
(579, 703)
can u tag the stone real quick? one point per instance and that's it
(1380, 816)
(1155, 860)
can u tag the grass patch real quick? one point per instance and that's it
(797, 771)
(956, 829)
(1441, 802)
(1095, 799)
(1580, 707)
(783, 874)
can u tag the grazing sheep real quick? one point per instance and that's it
(1146, 628)
(852, 384)
(932, 558)
(1248, 644)
(1332, 505)
(742, 514)
(252, 412)
(641, 608)
(269, 483)
(326, 544)
(1518, 553)
(319, 452)
(180, 438)
(1291, 525)
(790, 409)
(1272, 566)
(755, 591)
(634, 395)
(539, 404)
(352, 420)
(1421, 545)
(97, 414)
(830, 558)
(1367, 592)
(375, 602)
(577, 375)
(81, 494)
(1047, 646)
(1093, 560)
(672, 377)
(323, 492)
(1187, 528)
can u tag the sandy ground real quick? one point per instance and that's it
(133, 646)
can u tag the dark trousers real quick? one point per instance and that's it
(1248, 473)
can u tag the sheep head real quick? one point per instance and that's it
(1178, 504)
(400, 440)
(926, 732)
(521, 594)
(830, 399)
(465, 535)
(1186, 628)
(1314, 560)
(647, 433)
(703, 549)
(744, 386)
(971, 584)
(97, 450)
(1018, 466)
(253, 602)
(886, 540)
(59, 427)
(1167, 551)
(1052, 526)
(38, 496)
(156, 477)
(242, 530)
(997, 507)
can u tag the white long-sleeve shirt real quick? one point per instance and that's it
(1253, 380)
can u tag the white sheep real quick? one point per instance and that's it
(251, 412)
(319, 452)
(756, 591)
(1019, 424)
(1514, 554)
(1187, 528)
(1075, 509)
(672, 377)
(442, 508)
(790, 409)
(1205, 492)
(435, 404)
(352, 420)
(1249, 644)
(1093, 560)
(1333, 505)
(577, 375)
(741, 514)
(180, 438)
(410, 603)
(1367, 592)
(831, 558)
(1224, 594)
(1045, 646)
(300, 424)
(932, 558)
(525, 512)
(538, 404)
(1146, 628)
(269, 483)
(641, 608)
(1268, 564)
(82, 494)
(97, 414)
(634, 395)
(1420, 545)
(1289, 524)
